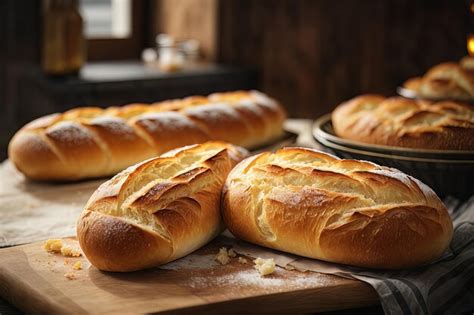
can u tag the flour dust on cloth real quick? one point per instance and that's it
(33, 211)
(443, 287)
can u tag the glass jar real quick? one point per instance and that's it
(171, 57)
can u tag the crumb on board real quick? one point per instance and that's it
(264, 266)
(242, 260)
(57, 246)
(70, 276)
(68, 251)
(77, 265)
(53, 245)
(232, 253)
(223, 256)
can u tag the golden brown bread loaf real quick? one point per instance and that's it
(346, 211)
(93, 142)
(448, 80)
(158, 210)
(407, 123)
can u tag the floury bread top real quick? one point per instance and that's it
(93, 142)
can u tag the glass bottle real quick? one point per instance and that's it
(75, 41)
(63, 47)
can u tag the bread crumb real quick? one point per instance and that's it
(77, 265)
(223, 256)
(232, 253)
(66, 261)
(70, 276)
(53, 246)
(242, 260)
(56, 246)
(68, 251)
(264, 266)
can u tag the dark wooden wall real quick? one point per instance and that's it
(311, 54)
(19, 55)
(314, 54)
(27, 93)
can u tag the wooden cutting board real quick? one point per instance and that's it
(35, 281)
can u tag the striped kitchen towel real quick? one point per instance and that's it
(445, 287)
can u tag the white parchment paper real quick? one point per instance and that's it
(33, 211)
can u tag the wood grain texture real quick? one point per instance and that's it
(312, 55)
(34, 281)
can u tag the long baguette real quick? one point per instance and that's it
(94, 142)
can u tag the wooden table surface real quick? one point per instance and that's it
(37, 281)
(34, 280)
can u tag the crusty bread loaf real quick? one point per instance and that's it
(407, 123)
(158, 210)
(346, 211)
(448, 80)
(93, 142)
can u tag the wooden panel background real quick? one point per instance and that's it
(19, 56)
(314, 54)
(311, 54)
(186, 19)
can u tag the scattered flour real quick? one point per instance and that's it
(192, 262)
(116, 125)
(214, 112)
(251, 278)
(69, 133)
(249, 105)
(170, 120)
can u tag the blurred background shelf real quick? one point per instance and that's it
(117, 83)
(310, 55)
(121, 82)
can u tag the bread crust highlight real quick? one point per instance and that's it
(402, 122)
(352, 212)
(93, 142)
(158, 210)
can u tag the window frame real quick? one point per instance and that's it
(122, 48)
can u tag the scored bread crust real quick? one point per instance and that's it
(446, 80)
(352, 212)
(158, 210)
(93, 142)
(402, 122)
